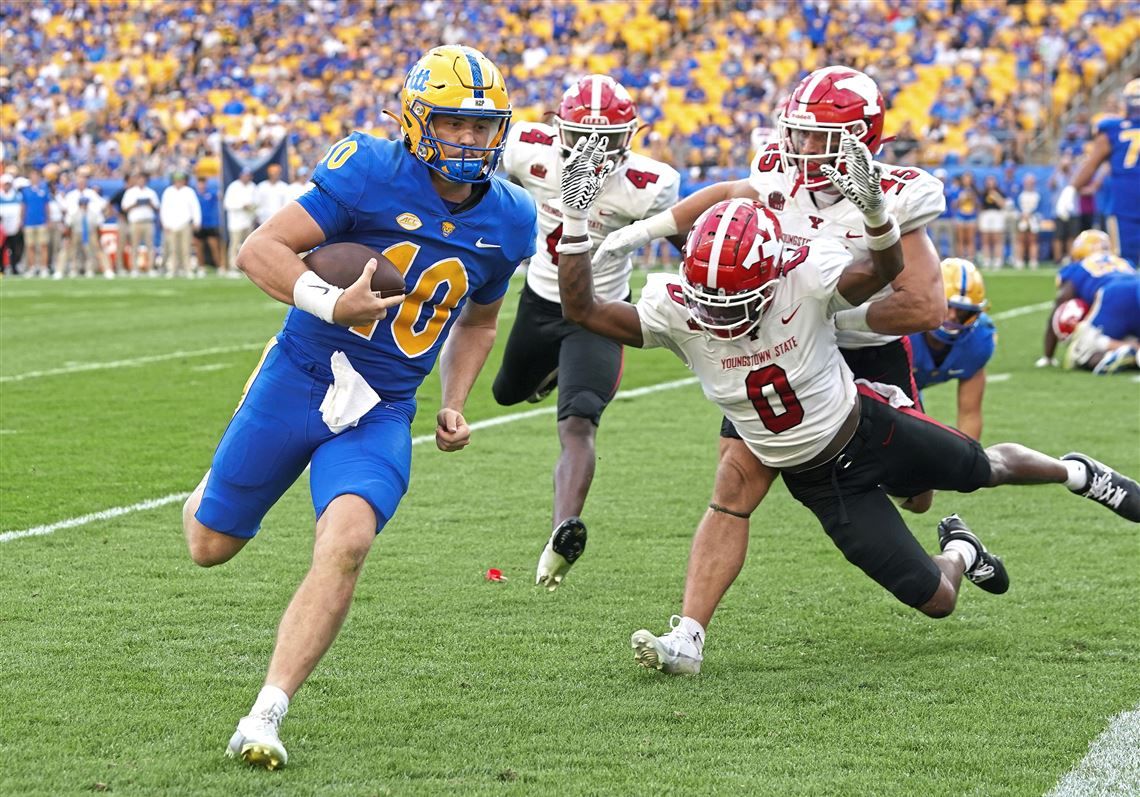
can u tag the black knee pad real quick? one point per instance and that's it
(581, 404)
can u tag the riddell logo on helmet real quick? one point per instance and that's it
(594, 120)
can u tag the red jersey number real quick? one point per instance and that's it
(640, 179)
(774, 376)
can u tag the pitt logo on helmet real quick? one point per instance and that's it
(461, 83)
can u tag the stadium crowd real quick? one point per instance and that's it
(115, 89)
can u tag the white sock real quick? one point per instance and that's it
(1078, 474)
(694, 629)
(965, 549)
(270, 697)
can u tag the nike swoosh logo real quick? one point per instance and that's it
(791, 315)
(605, 212)
(855, 235)
(956, 371)
(482, 245)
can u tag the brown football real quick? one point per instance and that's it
(341, 265)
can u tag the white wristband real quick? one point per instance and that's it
(313, 295)
(565, 247)
(573, 224)
(660, 226)
(853, 320)
(886, 240)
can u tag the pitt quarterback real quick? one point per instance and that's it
(544, 350)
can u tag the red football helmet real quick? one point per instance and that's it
(731, 266)
(597, 104)
(824, 104)
(1067, 316)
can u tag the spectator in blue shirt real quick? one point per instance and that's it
(208, 239)
(37, 233)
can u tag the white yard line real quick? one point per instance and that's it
(75, 368)
(153, 503)
(1112, 764)
(1014, 312)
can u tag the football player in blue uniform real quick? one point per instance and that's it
(1117, 142)
(1108, 340)
(961, 346)
(1091, 267)
(337, 387)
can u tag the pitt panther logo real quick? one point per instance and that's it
(447, 227)
(815, 222)
(776, 200)
(538, 170)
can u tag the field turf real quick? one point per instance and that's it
(123, 667)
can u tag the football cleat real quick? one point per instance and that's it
(675, 653)
(545, 387)
(1105, 486)
(256, 743)
(1121, 358)
(988, 571)
(566, 544)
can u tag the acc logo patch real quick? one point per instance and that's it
(776, 200)
(409, 221)
(538, 170)
(447, 227)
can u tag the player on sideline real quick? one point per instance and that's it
(961, 346)
(1118, 142)
(544, 349)
(752, 320)
(1092, 265)
(337, 386)
(786, 177)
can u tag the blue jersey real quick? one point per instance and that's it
(1116, 311)
(1094, 272)
(36, 199)
(968, 354)
(374, 192)
(1123, 182)
(208, 200)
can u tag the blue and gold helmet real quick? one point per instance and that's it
(965, 294)
(1132, 99)
(459, 81)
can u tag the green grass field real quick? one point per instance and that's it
(123, 667)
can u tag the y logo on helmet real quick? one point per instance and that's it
(865, 88)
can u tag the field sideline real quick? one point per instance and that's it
(126, 667)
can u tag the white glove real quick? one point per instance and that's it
(620, 244)
(1045, 362)
(583, 175)
(862, 181)
(1066, 203)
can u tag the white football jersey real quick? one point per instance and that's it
(913, 196)
(639, 188)
(786, 387)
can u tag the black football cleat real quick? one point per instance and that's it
(988, 571)
(566, 544)
(1107, 487)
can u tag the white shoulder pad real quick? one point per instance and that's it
(919, 197)
(664, 318)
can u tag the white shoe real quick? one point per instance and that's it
(256, 743)
(562, 550)
(675, 653)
